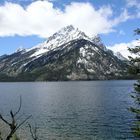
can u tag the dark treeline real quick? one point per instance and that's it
(135, 70)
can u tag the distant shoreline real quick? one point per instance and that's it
(70, 80)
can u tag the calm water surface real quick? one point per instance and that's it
(93, 110)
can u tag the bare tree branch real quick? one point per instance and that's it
(1, 117)
(30, 128)
(13, 125)
(19, 107)
(18, 126)
(33, 132)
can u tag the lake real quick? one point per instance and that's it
(85, 110)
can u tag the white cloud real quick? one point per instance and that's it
(42, 19)
(122, 18)
(121, 32)
(134, 4)
(123, 48)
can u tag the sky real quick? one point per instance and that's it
(25, 23)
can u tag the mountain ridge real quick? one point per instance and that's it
(68, 54)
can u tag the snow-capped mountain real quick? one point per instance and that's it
(63, 36)
(68, 54)
(21, 50)
(120, 56)
(97, 40)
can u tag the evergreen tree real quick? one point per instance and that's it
(135, 69)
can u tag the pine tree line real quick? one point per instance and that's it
(135, 69)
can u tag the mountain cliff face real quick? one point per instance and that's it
(120, 56)
(68, 54)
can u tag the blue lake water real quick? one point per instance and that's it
(85, 110)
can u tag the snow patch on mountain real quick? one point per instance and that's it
(39, 52)
(97, 40)
(120, 56)
(64, 36)
(21, 49)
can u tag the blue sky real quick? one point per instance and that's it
(25, 23)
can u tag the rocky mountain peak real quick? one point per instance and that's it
(63, 36)
(69, 54)
(120, 56)
(98, 41)
(66, 34)
(68, 28)
(21, 49)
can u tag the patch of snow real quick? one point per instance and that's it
(83, 52)
(82, 61)
(90, 70)
(21, 49)
(97, 40)
(39, 52)
(120, 56)
(63, 36)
